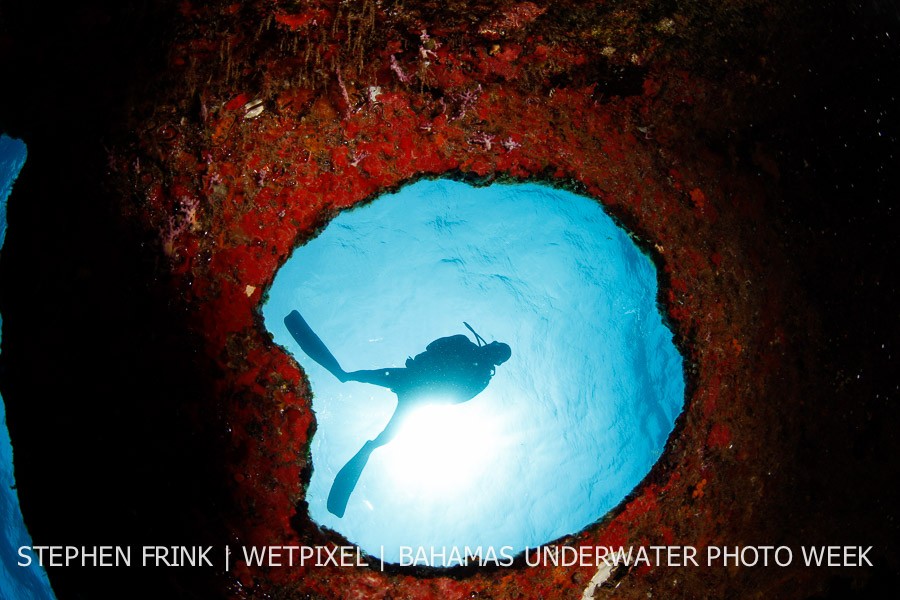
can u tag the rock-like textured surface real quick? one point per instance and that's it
(263, 119)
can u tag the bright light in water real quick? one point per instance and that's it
(442, 449)
(566, 427)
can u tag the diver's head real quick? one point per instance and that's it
(497, 352)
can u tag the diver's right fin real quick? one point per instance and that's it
(346, 479)
(312, 345)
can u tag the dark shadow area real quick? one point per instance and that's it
(837, 140)
(97, 371)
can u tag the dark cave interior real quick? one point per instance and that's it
(120, 438)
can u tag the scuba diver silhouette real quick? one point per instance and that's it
(450, 371)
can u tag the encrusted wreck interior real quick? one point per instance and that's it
(179, 152)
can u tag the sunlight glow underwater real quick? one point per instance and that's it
(565, 429)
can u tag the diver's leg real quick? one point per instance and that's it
(347, 478)
(391, 430)
(384, 377)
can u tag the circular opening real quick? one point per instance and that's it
(560, 433)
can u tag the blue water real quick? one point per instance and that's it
(16, 583)
(566, 428)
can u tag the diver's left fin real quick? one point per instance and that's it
(311, 344)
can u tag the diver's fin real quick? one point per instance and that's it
(312, 345)
(346, 480)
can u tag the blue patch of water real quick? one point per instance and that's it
(16, 583)
(564, 430)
